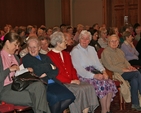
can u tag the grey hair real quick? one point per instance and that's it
(33, 39)
(56, 37)
(85, 32)
(114, 35)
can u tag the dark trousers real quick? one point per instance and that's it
(134, 79)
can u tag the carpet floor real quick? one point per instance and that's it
(115, 108)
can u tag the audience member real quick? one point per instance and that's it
(113, 30)
(58, 96)
(96, 26)
(94, 41)
(79, 28)
(69, 42)
(85, 94)
(70, 31)
(131, 54)
(91, 71)
(49, 32)
(40, 32)
(34, 95)
(114, 59)
(138, 47)
(63, 28)
(137, 31)
(102, 37)
(44, 45)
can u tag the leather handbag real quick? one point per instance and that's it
(24, 80)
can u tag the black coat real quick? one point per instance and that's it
(41, 66)
(138, 47)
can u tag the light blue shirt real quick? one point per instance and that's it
(130, 52)
(82, 58)
(50, 81)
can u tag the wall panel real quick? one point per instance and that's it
(22, 12)
(87, 12)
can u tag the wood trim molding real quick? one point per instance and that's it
(65, 6)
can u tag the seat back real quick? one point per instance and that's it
(99, 52)
(6, 108)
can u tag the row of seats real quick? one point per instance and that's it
(10, 108)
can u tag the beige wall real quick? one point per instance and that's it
(52, 13)
(86, 12)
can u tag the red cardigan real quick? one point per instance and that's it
(66, 70)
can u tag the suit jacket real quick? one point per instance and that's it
(41, 66)
(4, 73)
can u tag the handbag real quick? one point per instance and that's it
(24, 80)
(93, 70)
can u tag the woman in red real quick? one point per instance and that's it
(86, 99)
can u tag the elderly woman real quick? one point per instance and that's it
(103, 37)
(84, 93)
(9, 63)
(91, 70)
(131, 54)
(113, 59)
(58, 96)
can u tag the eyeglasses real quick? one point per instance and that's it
(32, 47)
(104, 32)
(95, 35)
(114, 41)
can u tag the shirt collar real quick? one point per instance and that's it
(6, 53)
(126, 42)
(56, 51)
(84, 49)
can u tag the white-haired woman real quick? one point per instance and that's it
(58, 96)
(89, 69)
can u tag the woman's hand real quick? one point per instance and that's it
(132, 68)
(132, 45)
(14, 67)
(99, 76)
(30, 69)
(75, 82)
(53, 67)
(43, 75)
(126, 70)
(129, 69)
(105, 76)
